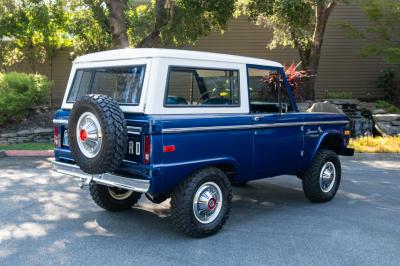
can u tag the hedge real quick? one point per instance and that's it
(19, 92)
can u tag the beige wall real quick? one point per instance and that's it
(341, 67)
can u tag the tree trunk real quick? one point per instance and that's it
(310, 58)
(162, 18)
(117, 24)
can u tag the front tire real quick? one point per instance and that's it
(113, 199)
(322, 178)
(200, 205)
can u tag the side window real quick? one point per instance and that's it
(202, 87)
(80, 86)
(267, 91)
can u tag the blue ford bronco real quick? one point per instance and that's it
(188, 125)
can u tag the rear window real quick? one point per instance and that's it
(202, 87)
(123, 84)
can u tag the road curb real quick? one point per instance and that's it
(33, 153)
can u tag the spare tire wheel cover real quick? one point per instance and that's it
(88, 134)
(97, 134)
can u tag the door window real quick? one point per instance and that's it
(267, 91)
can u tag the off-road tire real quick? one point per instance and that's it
(101, 196)
(311, 177)
(114, 134)
(182, 203)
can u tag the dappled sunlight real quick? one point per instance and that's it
(57, 246)
(161, 210)
(95, 229)
(22, 231)
(353, 196)
(382, 164)
(5, 252)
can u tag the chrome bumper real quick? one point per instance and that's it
(107, 179)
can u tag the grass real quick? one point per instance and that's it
(376, 145)
(28, 146)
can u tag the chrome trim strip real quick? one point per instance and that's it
(131, 128)
(134, 130)
(60, 121)
(255, 126)
(107, 179)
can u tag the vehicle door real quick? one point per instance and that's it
(278, 135)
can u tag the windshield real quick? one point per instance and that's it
(123, 84)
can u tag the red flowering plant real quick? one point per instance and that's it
(294, 78)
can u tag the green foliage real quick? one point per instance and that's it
(19, 92)
(388, 107)
(187, 21)
(191, 19)
(32, 30)
(339, 95)
(139, 20)
(88, 26)
(291, 21)
(389, 82)
(382, 36)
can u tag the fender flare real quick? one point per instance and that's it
(329, 133)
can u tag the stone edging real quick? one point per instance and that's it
(29, 135)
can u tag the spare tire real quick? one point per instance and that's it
(97, 134)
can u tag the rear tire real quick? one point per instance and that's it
(200, 205)
(322, 178)
(113, 199)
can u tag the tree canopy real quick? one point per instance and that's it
(34, 29)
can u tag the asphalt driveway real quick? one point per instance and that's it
(45, 219)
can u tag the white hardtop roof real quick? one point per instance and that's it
(132, 53)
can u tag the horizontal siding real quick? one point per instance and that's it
(342, 69)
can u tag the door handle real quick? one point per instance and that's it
(257, 118)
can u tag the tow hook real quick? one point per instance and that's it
(84, 181)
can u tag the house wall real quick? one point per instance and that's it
(342, 69)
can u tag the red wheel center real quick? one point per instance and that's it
(212, 203)
(83, 135)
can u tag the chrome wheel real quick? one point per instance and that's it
(207, 202)
(327, 177)
(88, 134)
(119, 194)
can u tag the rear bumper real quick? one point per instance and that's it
(107, 179)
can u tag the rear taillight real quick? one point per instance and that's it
(56, 137)
(147, 149)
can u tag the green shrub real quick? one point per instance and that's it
(389, 82)
(339, 95)
(19, 92)
(388, 107)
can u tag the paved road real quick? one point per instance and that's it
(45, 219)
